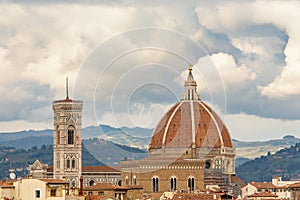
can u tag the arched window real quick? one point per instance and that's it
(58, 135)
(173, 183)
(68, 164)
(57, 163)
(71, 131)
(207, 164)
(73, 163)
(191, 183)
(73, 183)
(155, 184)
(134, 180)
(126, 180)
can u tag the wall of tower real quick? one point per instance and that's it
(67, 155)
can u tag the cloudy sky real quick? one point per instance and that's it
(127, 61)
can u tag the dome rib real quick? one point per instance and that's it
(190, 124)
(193, 123)
(214, 120)
(168, 124)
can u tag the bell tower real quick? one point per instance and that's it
(67, 149)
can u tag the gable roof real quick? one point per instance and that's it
(263, 185)
(294, 185)
(263, 194)
(236, 179)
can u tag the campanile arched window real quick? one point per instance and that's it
(58, 135)
(173, 183)
(191, 183)
(155, 184)
(71, 134)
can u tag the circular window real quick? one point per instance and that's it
(91, 182)
(207, 165)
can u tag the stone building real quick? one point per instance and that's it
(190, 149)
(43, 189)
(107, 190)
(67, 146)
(67, 150)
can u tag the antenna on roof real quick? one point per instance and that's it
(67, 88)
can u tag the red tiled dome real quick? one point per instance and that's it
(190, 123)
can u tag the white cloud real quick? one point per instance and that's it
(142, 117)
(251, 45)
(211, 72)
(255, 128)
(231, 74)
(41, 44)
(236, 20)
(20, 125)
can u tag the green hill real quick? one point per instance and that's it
(19, 159)
(283, 163)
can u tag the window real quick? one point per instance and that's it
(173, 183)
(57, 163)
(68, 163)
(191, 183)
(101, 193)
(58, 136)
(90, 193)
(53, 192)
(126, 180)
(71, 130)
(73, 183)
(92, 182)
(73, 163)
(155, 184)
(37, 193)
(207, 165)
(134, 180)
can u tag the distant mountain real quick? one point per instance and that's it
(29, 142)
(283, 163)
(139, 138)
(111, 153)
(251, 150)
(4, 137)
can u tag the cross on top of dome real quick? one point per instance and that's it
(190, 87)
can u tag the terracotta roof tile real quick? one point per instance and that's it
(101, 186)
(191, 196)
(263, 194)
(263, 185)
(175, 128)
(99, 169)
(59, 181)
(294, 185)
(236, 179)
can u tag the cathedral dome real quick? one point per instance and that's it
(190, 123)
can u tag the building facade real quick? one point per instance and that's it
(42, 189)
(190, 149)
(67, 154)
